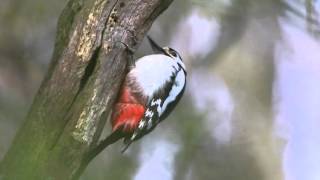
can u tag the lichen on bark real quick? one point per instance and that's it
(89, 33)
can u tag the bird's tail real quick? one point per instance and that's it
(127, 143)
(112, 138)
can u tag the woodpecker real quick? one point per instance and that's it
(151, 90)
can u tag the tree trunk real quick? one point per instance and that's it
(88, 65)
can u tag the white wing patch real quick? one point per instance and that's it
(176, 89)
(153, 71)
(148, 113)
(141, 124)
(158, 103)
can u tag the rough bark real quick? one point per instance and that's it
(75, 98)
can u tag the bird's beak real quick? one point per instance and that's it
(155, 47)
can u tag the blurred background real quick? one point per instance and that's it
(251, 108)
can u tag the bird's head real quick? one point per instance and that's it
(164, 50)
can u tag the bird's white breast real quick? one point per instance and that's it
(151, 72)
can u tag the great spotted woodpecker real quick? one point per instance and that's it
(151, 89)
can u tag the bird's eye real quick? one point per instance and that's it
(173, 53)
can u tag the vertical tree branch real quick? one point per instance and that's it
(77, 94)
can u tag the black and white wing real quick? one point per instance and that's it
(162, 102)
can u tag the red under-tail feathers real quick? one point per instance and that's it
(127, 112)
